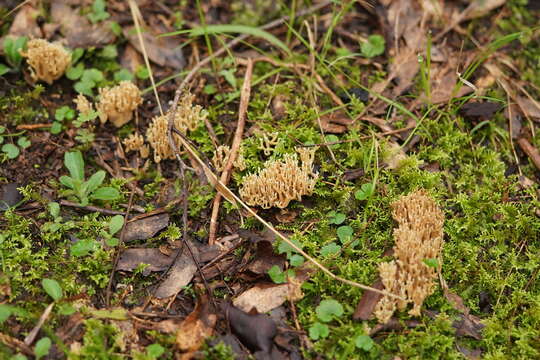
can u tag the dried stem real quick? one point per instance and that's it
(226, 174)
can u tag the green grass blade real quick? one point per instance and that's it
(239, 29)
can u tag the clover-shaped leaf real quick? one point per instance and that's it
(328, 310)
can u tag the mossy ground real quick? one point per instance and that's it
(490, 256)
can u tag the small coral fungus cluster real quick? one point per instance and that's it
(280, 182)
(419, 237)
(48, 61)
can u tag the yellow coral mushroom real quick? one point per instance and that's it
(187, 118)
(135, 142)
(48, 61)
(419, 237)
(118, 103)
(83, 105)
(280, 182)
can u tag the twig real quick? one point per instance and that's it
(32, 126)
(226, 174)
(118, 251)
(32, 335)
(16, 344)
(91, 208)
(530, 150)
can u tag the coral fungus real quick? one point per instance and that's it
(118, 103)
(48, 61)
(280, 182)
(419, 237)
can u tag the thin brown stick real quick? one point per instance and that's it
(226, 174)
(16, 344)
(118, 251)
(530, 150)
(32, 335)
(91, 208)
(32, 126)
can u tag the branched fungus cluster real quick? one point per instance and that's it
(419, 237)
(187, 118)
(280, 182)
(48, 61)
(118, 103)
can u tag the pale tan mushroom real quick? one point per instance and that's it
(419, 236)
(135, 142)
(118, 103)
(281, 181)
(48, 61)
(188, 117)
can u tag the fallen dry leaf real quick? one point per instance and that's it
(483, 110)
(78, 31)
(479, 8)
(25, 24)
(256, 332)
(164, 51)
(131, 59)
(196, 328)
(266, 297)
(336, 122)
(530, 108)
(146, 227)
(130, 259)
(368, 302)
(179, 276)
(265, 258)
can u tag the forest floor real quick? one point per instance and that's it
(115, 245)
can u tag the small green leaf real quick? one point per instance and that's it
(98, 11)
(5, 312)
(3, 69)
(52, 288)
(64, 113)
(11, 150)
(84, 88)
(328, 310)
(296, 260)
(336, 218)
(115, 314)
(82, 247)
(67, 181)
(330, 249)
(277, 276)
(109, 52)
(433, 263)
(345, 233)
(210, 89)
(75, 164)
(283, 247)
(364, 342)
(54, 209)
(116, 28)
(18, 357)
(105, 193)
(112, 242)
(142, 72)
(23, 142)
(95, 181)
(154, 351)
(42, 347)
(56, 128)
(76, 55)
(75, 72)
(318, 331)
(116, 224)
(123, 74)
(365, 192)
(66, 309)
(373, 47)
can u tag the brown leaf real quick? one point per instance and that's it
(131, 59)
(145, 228)
(530, 108)
(265, 258)
(179, 276)
(479, 8)
(483, 110)
(367, 302)
(469, 325)
(25, 24)
(266, 297)
(78, 31)
(131, 258)
(336, 122)
(197, 326)
(257, 332)
(164, 51)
